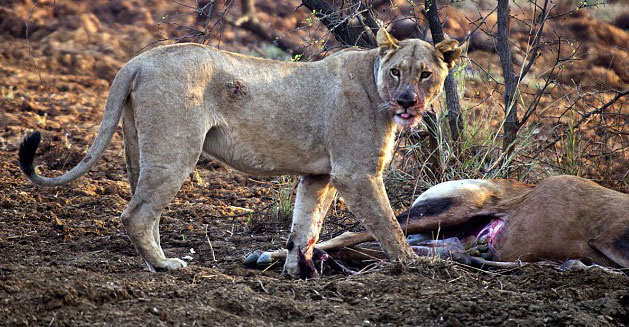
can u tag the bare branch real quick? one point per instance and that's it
(250, 22)
(585, 117)
(338, 25)
(602, 108)
(538, 37)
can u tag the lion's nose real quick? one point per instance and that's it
(407, 99)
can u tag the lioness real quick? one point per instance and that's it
(330, 121)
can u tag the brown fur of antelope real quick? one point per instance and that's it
(562, 218)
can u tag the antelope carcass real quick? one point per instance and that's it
(498, 220)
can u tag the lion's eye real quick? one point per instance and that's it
(425, 74)
(395, 72)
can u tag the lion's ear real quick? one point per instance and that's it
(386, 40)
(450, 50)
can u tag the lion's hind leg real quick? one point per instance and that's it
(157, 185)
(168, 150)
(132, 159)
(131, 148)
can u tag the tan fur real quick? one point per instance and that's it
(331, 121)
(568, 217)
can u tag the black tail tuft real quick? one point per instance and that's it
(27, 152)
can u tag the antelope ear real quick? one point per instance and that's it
(386, 40)
(450, 51)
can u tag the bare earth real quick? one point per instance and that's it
(65, 259)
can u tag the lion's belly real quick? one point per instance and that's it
(266, 154)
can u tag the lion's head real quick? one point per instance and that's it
(409, 74)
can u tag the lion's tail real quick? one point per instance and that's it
(120, 89)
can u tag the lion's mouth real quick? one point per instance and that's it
(407, 119)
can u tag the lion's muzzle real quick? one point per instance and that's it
(407, 99)
(409, 107)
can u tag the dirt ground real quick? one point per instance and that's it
(65, 258)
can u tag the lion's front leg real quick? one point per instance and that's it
(314, 196)
(367, 199)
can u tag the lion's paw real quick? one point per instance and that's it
(169, 264)
(291, 267)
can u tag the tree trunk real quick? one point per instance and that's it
(511, 123)
(433, 162)
(248, 7)
(453, 107)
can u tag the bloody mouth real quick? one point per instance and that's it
(404, 115)
(406, 119)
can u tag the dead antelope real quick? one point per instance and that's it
(497, 220)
